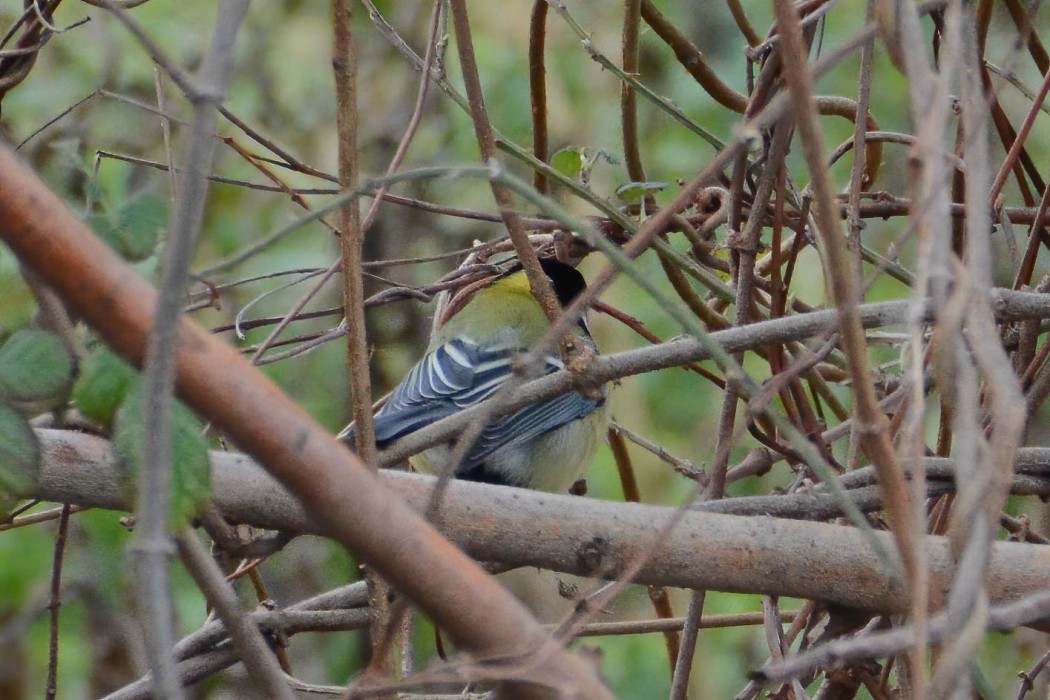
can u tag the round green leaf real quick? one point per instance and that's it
(632, 192)
(141, 220)
(568, 161)
(36, 368)
(134, 228)
(106, 229)
(104, 382)
(19, 452)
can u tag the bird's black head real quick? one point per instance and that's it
(567, 281)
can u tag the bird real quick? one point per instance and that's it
(546, 446)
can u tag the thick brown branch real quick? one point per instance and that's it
(714, 551)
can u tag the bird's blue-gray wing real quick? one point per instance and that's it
(454, 376)
(460, 374)
(530, 422)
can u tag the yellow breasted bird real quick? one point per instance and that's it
(545, 446)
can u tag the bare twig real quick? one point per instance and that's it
(351, 246)
(1028, 677)
(685, 350)
(1008, 616)
(51, 686)
(538, 281)
(153, 547)
(538, 88)
(251, 647)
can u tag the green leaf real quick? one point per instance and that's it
(93, 188)
(142, 219)
(35, 368)
(7, 505)
(106, 229)
(19, 453)
(105, 380)
(191, 474)
(633, 192)
(568, 161)
(134, 228)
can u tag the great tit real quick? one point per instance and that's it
(546, 446)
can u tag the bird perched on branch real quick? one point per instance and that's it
(545, 446)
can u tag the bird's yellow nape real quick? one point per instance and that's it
(515, 283)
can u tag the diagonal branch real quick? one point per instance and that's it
(684, 350)
(349, 503)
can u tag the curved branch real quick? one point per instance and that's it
(692, 59)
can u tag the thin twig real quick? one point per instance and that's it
(51, 687)
(538, 89)
(41, 517)
(153, 548)
(538, 281)
(1004, 617)
(251, 647)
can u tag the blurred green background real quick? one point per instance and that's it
(283, 89)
